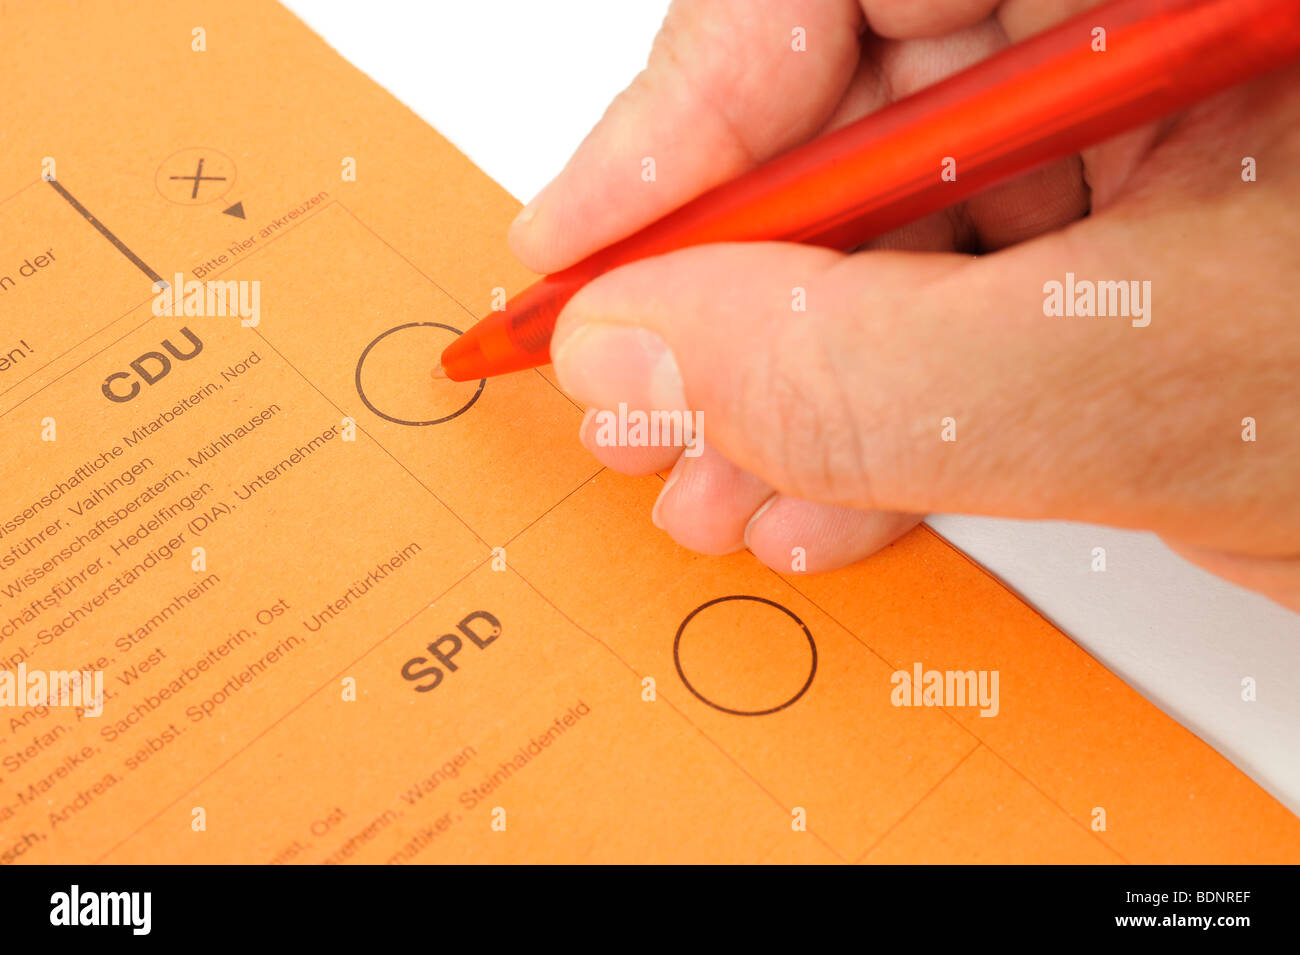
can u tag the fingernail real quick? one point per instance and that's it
(673, 475)
(759, 513)
(527, 212)
(606, 365)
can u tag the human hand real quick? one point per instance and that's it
(825, 429)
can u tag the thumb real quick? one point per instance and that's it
(845, 379)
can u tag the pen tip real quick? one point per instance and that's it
(438, 372)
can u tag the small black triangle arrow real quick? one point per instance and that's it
(236, 210)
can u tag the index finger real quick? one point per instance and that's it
(729, 84)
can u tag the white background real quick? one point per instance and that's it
(494, 74)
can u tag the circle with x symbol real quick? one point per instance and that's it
(195, 176)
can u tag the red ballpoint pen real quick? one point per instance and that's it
(1110, 69)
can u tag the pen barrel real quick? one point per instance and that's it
(1038, 101)
(1108, 70)
(518, 337)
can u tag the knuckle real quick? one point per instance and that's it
(810, 427)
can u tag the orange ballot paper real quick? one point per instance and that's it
(329, 611)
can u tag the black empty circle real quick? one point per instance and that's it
(415, 424)
(677, 657)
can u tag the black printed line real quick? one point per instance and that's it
(104, 231)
